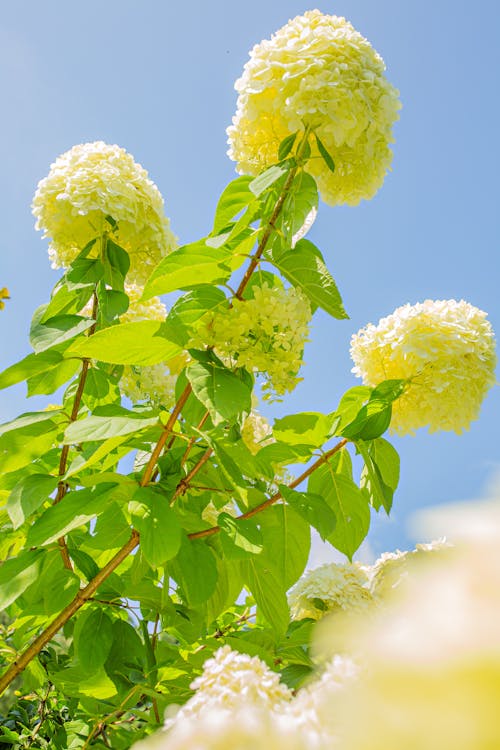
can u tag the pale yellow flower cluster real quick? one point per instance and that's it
(445, 350)
(154, 383)
(431, 660)
(4, 294)
(266, 334)
(246, 728)
(230, 680)
(317, 70)
(333, 587)
(392, 568)
(89, 183)
(256, 432)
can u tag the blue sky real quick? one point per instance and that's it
(157, 78)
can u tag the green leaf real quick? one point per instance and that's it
(195, 570)
(259, 184)
(187, 267)
(388, 390)
(32, 422)
(93, 640)
(239, 538)
(139, 343)
(324, 153)
(77, 509)
(313, 508)
(158, 526)
(28, 495)
(224, 393)
(49, 381)
(349, 504)
(17, 574)
(103, 427)
(56, 330)
(287, 542)
(32, 365)
(372, 420)
(76, 681)
(268, 591)
(305, 268)
(235, 197)
(84, 271)
(112, 303)
(307, 428)
(66, 300)
(188, 312)
(301, 200)
(286, 146)
(349, 406)
(380, 475)
(117, 266)
(99, 389)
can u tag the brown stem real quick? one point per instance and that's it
(277, 495)
(184, 483)
(163, 437)
(80, 599)
(62, 487)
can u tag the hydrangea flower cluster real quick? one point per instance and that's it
(331, 587)
(317, 70)
(256, 432)
(155, 383)
(393, 568)
(229, 680)
(93, 181)
(445, 350)
(266, 334)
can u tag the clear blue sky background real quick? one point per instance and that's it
(157, 78)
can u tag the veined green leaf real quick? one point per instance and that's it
(158, 525)
(101, 428)
(139, 343)
(55, 330)
(313, 508)
(223, 392)
(189, 311)
(93, 639)
(187, 267)
(269, 592)
(287, 542)
(50, 380)
(324, 153)
(259, 184)
(380, 475)
(17, 574)
(234, 198)
(195, 570)
(305, 268)
(28, 495)
(306, 428)
(349, 504)
(239, 538)
(32, 365)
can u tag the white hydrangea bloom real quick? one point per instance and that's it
(256, 432)
(444, 349)
(231, 680)
(392, 569)
(90, 182)
(238, 729)
(331, 587)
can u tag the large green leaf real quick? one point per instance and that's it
(102, 428)
(349, 504)
(224, 393)
(260, 184)
(142, 342)
(93, 639)
(313, 508)
(380, 475)
(269, 592)
(305, 268)
(77, 509)
(287, 542)
(235, 197)
(195, 570)
(307, 428)
(50, 380)
(56, 330)
(158, 525)
(28, 495)
(32, 365)
(188, 267)
(239, 538)
(17, 574)
(302, 199)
